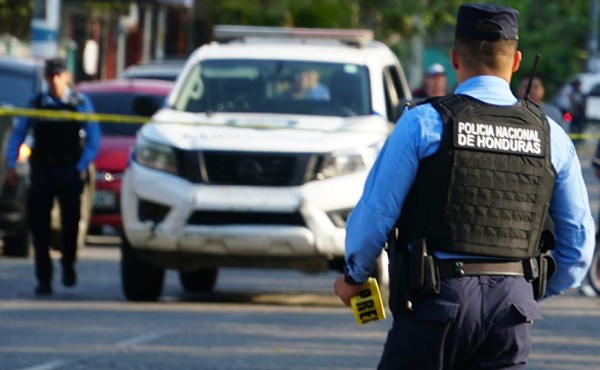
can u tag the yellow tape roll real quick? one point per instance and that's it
(367, 305)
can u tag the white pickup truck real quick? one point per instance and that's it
(258, 157)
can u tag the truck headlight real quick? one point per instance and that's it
(157, 156)
(346, 162)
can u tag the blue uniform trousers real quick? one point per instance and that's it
(50, 181)
(475, 322)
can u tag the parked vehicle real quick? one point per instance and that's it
(21, 79)
(588, 82)
(592, 104)
(250, 165)
(121, 97)
(164, 69)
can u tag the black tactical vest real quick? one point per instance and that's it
(56, 141)
(487, 189)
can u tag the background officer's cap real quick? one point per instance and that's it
(55, 66)
(487, 22)
(435, 69)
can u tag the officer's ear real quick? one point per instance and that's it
(454, 58)
(517, 60)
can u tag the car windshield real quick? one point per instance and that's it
(276, 86)
(118, 103)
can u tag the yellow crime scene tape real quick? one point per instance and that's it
(75, 116)
(121, 118)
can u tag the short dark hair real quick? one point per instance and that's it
(476, 53)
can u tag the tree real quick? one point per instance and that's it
(15, 16)
(558, 32)
(556, 29)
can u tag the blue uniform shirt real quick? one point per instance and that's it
(92, 133)
(416, 136)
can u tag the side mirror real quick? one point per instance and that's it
(399, 109)
(145, 105)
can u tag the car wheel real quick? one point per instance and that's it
(19, 244)
(202, 280)
(593, 275)
(382, 275)
(140, 280)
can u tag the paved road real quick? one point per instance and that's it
(256, 319)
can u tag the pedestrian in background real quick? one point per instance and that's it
(62, 150)
(536, 94)
(466, 182)
(577, 104)
(434, 83)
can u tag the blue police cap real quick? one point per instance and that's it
(55, 66)
(487, 22)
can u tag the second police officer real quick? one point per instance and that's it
(58, 163)
(467, 181)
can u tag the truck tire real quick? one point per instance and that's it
(202, 280)
(593, 275)
(140, 280)
(382, 275)
(19, 244)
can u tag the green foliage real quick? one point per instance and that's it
(557, 29)
(15, 17)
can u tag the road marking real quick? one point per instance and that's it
(144, 338)
(54, 364)
(140, 339)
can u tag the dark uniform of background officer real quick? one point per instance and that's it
(472, 174)
(58, 162)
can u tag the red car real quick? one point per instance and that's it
(117, 97)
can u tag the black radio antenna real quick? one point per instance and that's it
(532, 76)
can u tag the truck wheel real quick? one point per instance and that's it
(140, 280)
(382, 274)
(593, 274)
(18, 245)
(202, 280)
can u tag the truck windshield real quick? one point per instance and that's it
(276, 86)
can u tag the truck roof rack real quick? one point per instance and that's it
(355, 37)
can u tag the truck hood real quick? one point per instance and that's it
(263, 132)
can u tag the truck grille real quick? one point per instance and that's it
(248, 169)
(215, 218)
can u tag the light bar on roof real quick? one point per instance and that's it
(350, 36)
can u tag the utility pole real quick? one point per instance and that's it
(593, 62)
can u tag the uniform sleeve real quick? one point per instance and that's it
(383, 196)
(17, 136)
(573, 221)
(92, 136)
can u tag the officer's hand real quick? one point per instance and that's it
(12, 177)
(346, 291)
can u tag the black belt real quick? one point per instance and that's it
(455, 268)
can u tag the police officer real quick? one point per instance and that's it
(466, 180)
(434, 83)
(62, 150)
